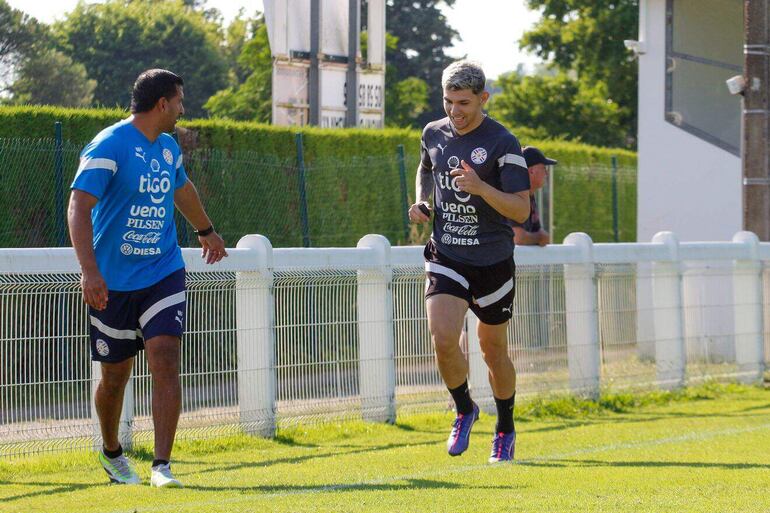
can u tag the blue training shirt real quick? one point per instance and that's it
(135, 239)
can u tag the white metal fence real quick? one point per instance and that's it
(290, 335)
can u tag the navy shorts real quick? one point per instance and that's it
(118, 332)
(489, 289)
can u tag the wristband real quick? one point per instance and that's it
(207, 231)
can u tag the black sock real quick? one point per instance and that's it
(155, 463)
(112, 454)
(462, 397)
(505, 414)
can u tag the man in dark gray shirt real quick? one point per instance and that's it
(531, 231)
(475, 169)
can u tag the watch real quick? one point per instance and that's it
(204, 232)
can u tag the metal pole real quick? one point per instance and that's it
(543, 204)
(404, 195)
(61, 232)
(302, 191)
(354, 34)
(615, 234)
(314, 77)
(61, 238)
(550, 203)
(756, 122)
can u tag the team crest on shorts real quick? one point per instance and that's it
(479, 156)
(102, 348)
(167, 156)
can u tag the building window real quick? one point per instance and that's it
(704, 47)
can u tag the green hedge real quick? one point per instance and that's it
(352, 180)
(80, 125)
(247, 175)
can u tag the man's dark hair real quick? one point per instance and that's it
(151, 86)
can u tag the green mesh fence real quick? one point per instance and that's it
(582, 199)
(347, 200)
(30, 192)
(248, 192)
(245, 193)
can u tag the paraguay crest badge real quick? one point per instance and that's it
(479, 156)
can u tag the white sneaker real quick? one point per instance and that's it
(163, 478)
(119, 469)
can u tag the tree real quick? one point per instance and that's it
(558, 107)
(249, 98)
(52, 78)
(587, 36)
(237, 34)
(119, 39)
(405, 100)
(19, 33)
(423, 36)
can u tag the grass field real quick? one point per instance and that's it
(704, 449)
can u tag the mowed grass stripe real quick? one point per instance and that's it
(691, 437)
(626, 461)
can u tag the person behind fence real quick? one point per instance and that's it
(531, 232)
(121, 222)
(477, 174)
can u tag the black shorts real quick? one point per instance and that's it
(118, 332)
(489, 289)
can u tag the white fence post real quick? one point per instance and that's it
(747, 301)
(377, 367)
(125, 429)
(478, 373)
(670, 353)
(583, 352)
(645, 319)
(255, 326)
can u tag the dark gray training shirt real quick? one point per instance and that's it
(465, 227)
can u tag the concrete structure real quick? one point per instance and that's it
(317, 63)
(690, 177)
(690, 174)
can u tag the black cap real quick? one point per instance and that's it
(534, 156)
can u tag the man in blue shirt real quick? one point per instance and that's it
(121, 221)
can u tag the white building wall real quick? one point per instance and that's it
(686, 185)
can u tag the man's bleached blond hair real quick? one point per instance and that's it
(464, 74)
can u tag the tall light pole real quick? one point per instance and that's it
(756, 120)
(314, 73)
(354, 41)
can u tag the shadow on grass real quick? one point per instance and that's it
(628, 418)
(409, 484)
(141, 453)
(564, 463)
(333, 453)
(755, 408)
(291, 441)
(57, 488)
